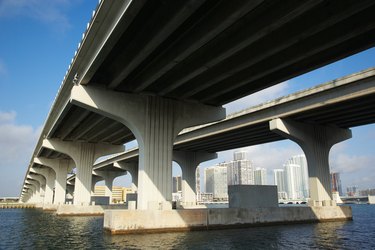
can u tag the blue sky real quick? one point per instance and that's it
(38, 39)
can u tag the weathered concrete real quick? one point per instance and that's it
(50, 207)
(252, 196)
(145, 221)
(371, 199)
(84, 210)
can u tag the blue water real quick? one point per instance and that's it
(34, 229)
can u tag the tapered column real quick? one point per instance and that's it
(84, 156)
(132, 168)
(61, 168)
(36, 197)
(316, 142)
(50, 177)
(155, 122)
(189, 162)
(95, 179)
(60, 184)
(41, 179)
(108, 177)
(31, 187)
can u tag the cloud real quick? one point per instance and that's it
(48, 11)
(267, 94)
(17, 143)
(345, 163)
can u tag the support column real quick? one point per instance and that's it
(32, 193)
(155, 122)
(132, 168)
(95, 179)
(61, 169)
(36, 197)
(84, 155)
(108, 177)
(50, 176)
(42, 180)
(316, 142)
(189, 162)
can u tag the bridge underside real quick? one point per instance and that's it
(214, 52)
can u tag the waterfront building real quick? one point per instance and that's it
(279, 181)
(215, 179)
(118, 193)
(260, 176)
(352, 191)
(300, 160)
(293, 180)
(336, 183)
(240, 170)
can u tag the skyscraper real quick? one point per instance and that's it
(293, 180)
(300, 160)
(240, 170)
(336, 183)
(215, 179)
(260, 176)
(279, 181)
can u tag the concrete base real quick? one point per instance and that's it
(50, 207)
(89, 210)
(148, 221)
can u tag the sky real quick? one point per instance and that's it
(38, 39)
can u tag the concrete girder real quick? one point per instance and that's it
(155, 122)
(316, 142)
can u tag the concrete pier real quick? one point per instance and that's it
(148, 221)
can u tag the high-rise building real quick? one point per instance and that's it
(352, 191)
(293, 180)
(176, 184)
(260, 176)
(336, 183)
(300, 160)
(279, 181)
(240, 170)
(215, 179)
(197, 181)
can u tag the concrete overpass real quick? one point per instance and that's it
(339, 104)
(148, 69)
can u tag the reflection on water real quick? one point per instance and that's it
(34, 229)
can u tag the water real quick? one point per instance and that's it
(34, 229)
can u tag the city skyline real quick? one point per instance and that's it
(38, 43)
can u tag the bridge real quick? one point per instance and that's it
(342, 103)
(146, 70)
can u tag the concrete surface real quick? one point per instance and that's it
(247, 196)
(146, 221)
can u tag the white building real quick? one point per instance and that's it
(240, 170)
(215, 179)
(279, 181)
(301, 161)
(260, 176)
(293, 181)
